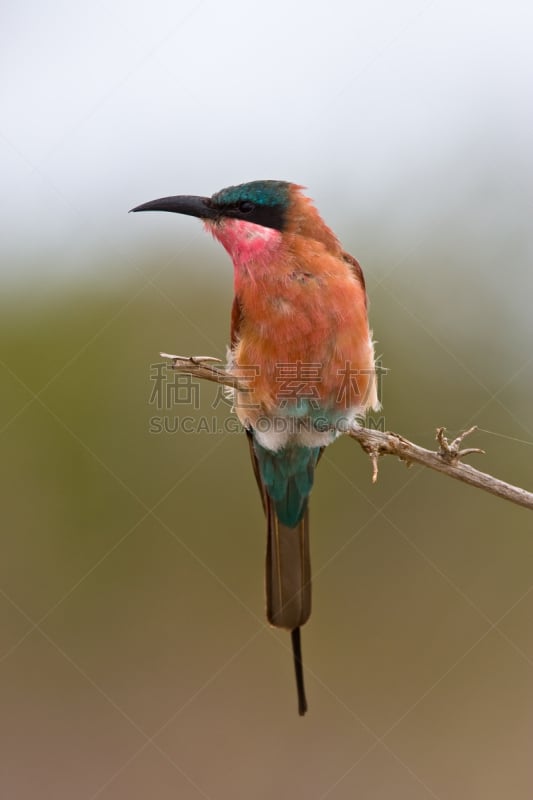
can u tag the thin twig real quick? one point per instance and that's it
(200, 368)
(447, 459)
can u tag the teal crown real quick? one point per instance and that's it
(261, 193)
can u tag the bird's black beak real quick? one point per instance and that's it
(182, 204)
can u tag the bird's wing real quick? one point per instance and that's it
(255, 465)
(237, 316)
(355, 267)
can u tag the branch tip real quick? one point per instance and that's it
(374, 455)
(450, 452)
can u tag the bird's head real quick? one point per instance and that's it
(264, 203)
(250, 219)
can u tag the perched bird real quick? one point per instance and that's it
(303, 352)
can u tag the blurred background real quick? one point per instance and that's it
(135, 660)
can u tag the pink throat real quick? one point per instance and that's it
(245, 241)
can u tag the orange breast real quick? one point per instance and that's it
(304, 334)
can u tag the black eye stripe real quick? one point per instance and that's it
(246, 206)
(273, 216)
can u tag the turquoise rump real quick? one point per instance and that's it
(288, 476)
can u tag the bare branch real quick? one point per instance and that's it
(442, 460)
(447, 459)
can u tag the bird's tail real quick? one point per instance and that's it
(288, 571)
(288, 584)
(288, 561)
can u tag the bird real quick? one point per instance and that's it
(302, 351)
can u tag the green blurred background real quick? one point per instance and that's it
(135, 660)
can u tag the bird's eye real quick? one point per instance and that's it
(246, 206)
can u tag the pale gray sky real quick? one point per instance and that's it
(370, 105)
